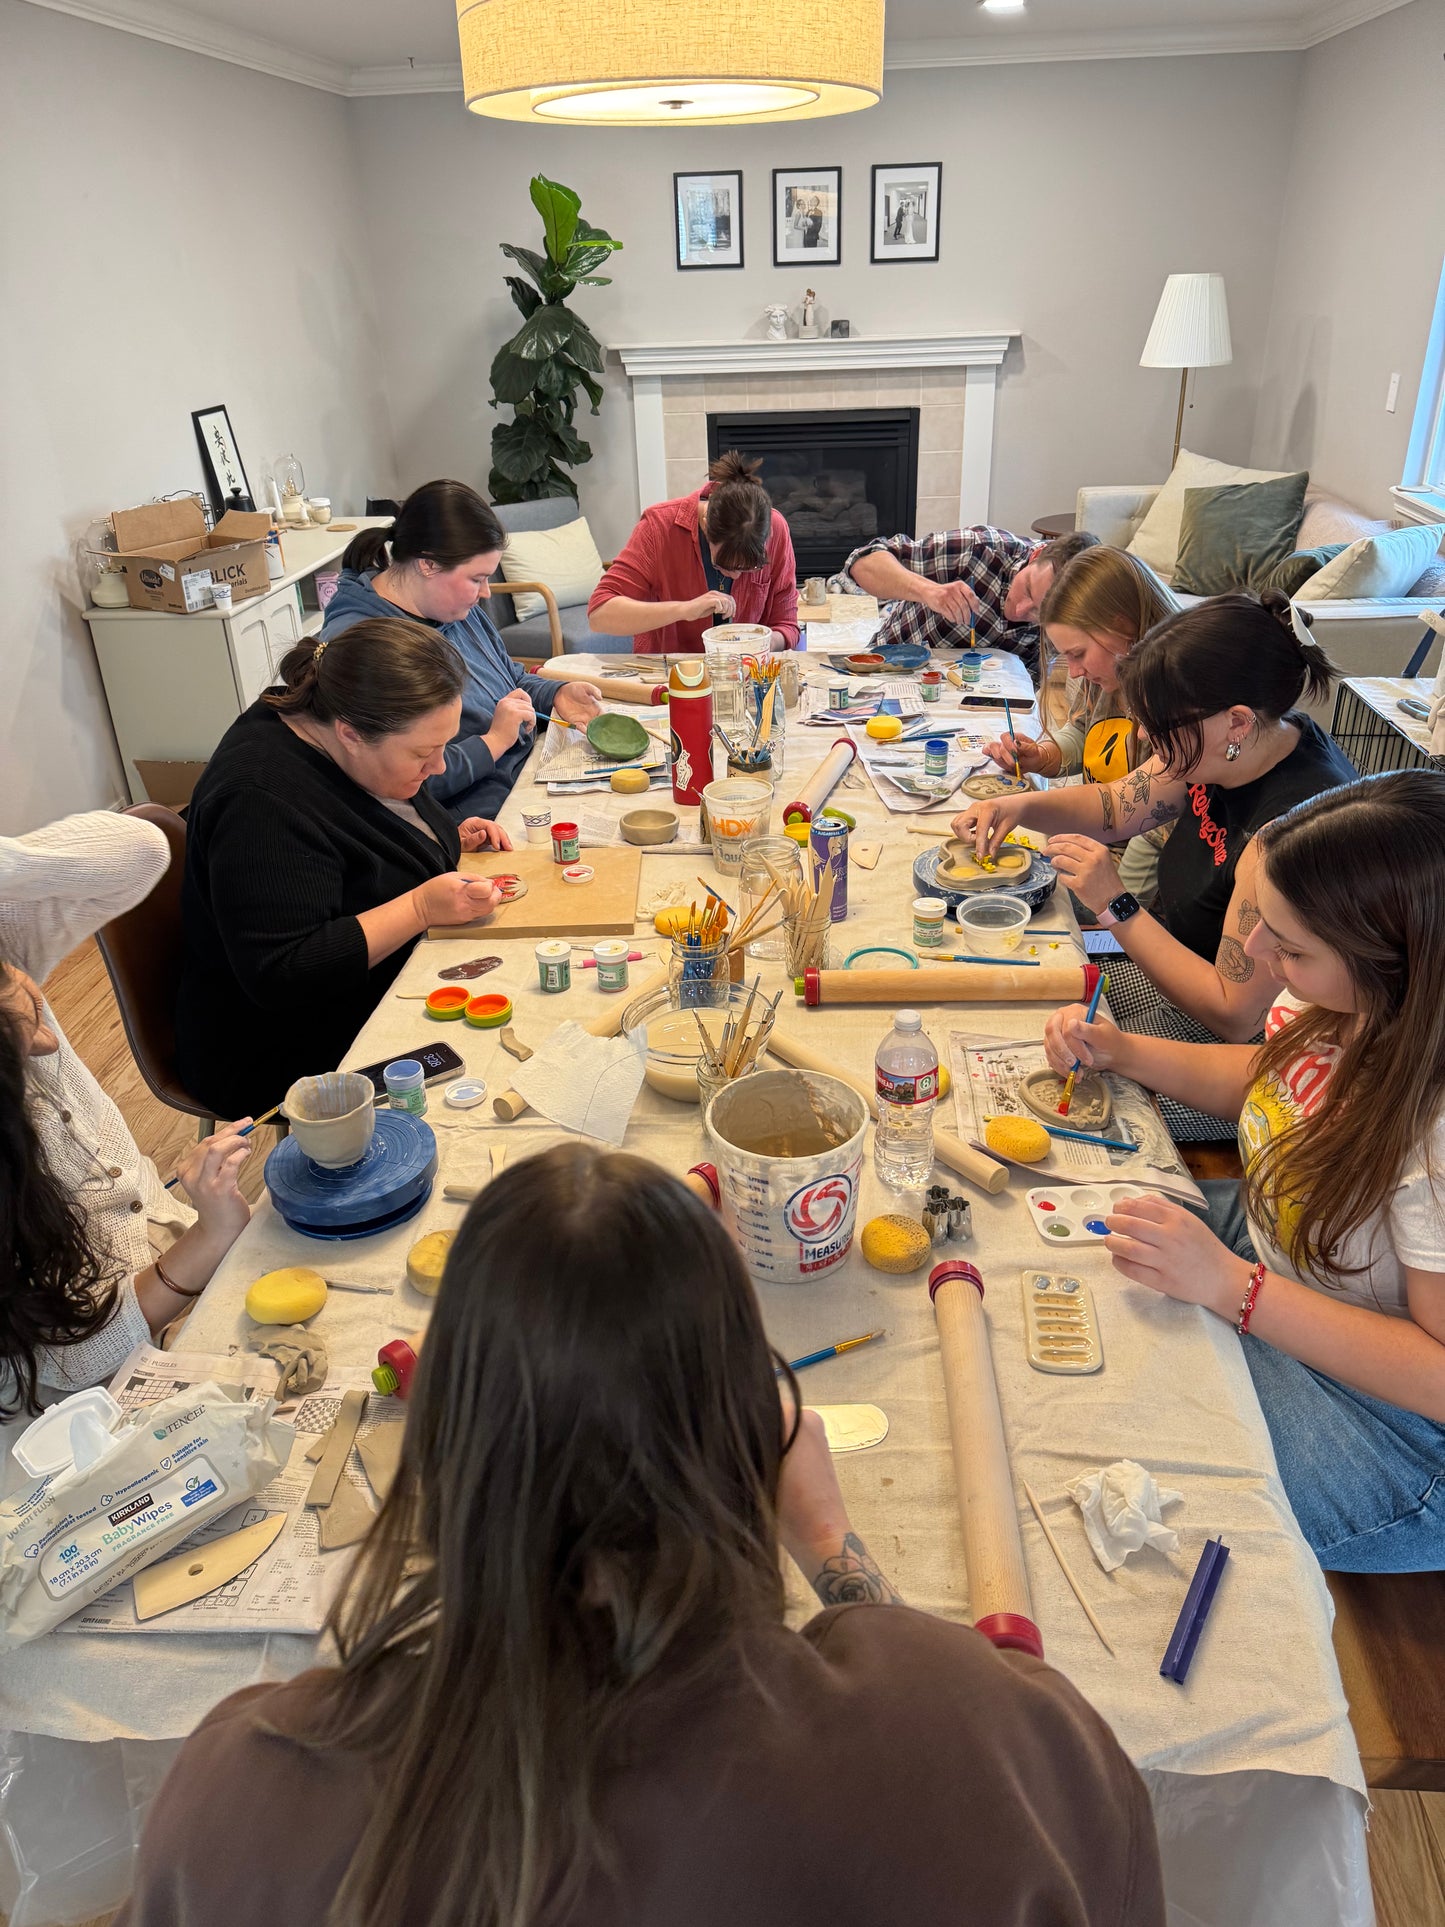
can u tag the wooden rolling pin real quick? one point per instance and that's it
(618, 689)
(998, 1581)
(965, 983)
(986, 1172)
(509, 1105)
(821, 784)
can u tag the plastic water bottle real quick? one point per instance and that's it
(906, 1080)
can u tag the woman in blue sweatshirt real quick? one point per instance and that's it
(444, 548)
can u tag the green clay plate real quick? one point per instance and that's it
(620, 737)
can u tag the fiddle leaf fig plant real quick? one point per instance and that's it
(539, 372)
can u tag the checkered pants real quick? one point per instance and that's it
(1140, 1007)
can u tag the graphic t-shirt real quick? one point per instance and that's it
(1409, 1231)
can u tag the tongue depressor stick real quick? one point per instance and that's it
(998, 1581)
(509, 1105)
(963, 984)
(986, 1172)
(821, 784)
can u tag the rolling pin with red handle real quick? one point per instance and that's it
(964, 983)
(619, 689)
(821, 784)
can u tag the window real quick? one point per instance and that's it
(1424, 480)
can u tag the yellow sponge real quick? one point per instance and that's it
(1023, 1138)
(883, 729)
(629, 782)
(286, 1297)
(895, 1243)
(427, 1260)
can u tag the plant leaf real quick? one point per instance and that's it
(545, 333)
(549, 377)
(526, 297)
(594, 236)
(584, 260)
(535, 264)
(512, 378)
(597, 281)
(558, 208)
(593, 389)
(583, 348)
(521, 449)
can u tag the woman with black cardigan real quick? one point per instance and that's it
(315, 858)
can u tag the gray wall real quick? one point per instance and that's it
(152, 265)
(1359, 255)
(1069, 192)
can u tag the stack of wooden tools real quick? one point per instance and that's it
(807, 915)
(738, 1053)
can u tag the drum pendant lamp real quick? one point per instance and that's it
(648, 63)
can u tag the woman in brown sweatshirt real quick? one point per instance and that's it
(567, 1696)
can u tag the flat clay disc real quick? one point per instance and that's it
(981, 788)
(957, 865)
(1090, 1108)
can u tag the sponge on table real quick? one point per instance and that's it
(286, 1297)
(1023, 1138)
(895, 1243)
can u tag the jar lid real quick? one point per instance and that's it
(490, 1012)
(552, 949)
(447, 1003)
(578, 873)
(465, 1094)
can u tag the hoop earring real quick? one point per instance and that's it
(1231, 751)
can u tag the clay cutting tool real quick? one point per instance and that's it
(193, 1572)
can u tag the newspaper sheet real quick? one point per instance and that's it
(569, 761)
(896, 768)
(987, 1072)
(866, 696)
(290, 1588)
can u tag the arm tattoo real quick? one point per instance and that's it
(851, 1577)
(1248, 916)
(1161, 813)
(1106, 803)
(1232, 964)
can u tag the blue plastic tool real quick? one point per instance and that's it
(1195, 1610)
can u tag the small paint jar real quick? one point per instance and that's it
(554, 964)
(448, 1003)
(930, 685)
(566, 844)
(538, 825)
(935, 756)
(837, 695)
(610, 954)
(969, 665)
(930, 920)
(405, 1082)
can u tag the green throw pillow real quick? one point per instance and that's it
(1290, 576)
(1233, 536)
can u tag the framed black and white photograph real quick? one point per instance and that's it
(905, 212)
(708, 211)
(221, 460)
(807, 217)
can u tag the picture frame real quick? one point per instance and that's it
(221, 462)
(904, 224)
(807, 217)
(707, 219)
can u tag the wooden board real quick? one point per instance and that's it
(605, 907)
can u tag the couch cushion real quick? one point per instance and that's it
(1329, 521)
(1157, 538)
(1290, 575)
(534, 638)
(1232, 535)
(1377, 565)
(565, 558)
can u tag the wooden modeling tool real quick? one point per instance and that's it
(1057, 1550)
(998, 1582)
(192, 1573)
(1068, 1097)
(510, 1105)
(338, 1449)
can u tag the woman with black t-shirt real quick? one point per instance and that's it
(1214, 689)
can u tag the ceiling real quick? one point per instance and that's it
(359, 47)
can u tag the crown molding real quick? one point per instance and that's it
(173, 26)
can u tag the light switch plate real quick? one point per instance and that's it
(1392, 394)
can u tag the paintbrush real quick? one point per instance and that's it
(1009, 719)
(1068, 1097)
(245, 1131)
(1087, 1137)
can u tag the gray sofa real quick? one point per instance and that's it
(556, 631)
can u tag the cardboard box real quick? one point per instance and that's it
(169, 561)
(169, 782)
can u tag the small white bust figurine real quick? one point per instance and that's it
(777, 323)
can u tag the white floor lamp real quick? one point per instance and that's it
(1191, 330)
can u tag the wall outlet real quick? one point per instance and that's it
(1392, 394)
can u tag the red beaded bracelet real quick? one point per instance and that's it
(1246, 1309)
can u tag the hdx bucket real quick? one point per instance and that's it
(789, 1197)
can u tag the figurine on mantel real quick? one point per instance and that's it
(777, 318)
(807, 326)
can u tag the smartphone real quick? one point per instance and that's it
(437, 1060)
(1101, 943)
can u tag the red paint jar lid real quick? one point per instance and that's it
(559, 830)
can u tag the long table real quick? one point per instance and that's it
(1252, 1767)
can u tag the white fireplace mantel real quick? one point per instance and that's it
(649, 364)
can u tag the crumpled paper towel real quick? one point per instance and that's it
(1121, 1507)
(585, 1083)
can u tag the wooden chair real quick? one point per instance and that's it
(1389, 1637)
(142, 952)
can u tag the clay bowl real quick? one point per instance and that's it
(1090, 1108)
(866, 665)
(648, 826)
(960, 869)
(985, 785)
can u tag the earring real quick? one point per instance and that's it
(1231, 751)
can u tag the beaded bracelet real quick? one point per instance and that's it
(170, 1283)
(1246, 1309)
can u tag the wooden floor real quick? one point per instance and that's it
(1407, 1830)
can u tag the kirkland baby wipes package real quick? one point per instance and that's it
(67, 1538)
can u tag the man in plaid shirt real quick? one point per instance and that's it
(958, 581)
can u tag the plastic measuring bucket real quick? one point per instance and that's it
(792, 1216)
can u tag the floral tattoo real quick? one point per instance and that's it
(851, 1577)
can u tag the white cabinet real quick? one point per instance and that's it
(175, 683)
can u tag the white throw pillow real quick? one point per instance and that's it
(1156, 540)
(1376, 566)
(566, 559)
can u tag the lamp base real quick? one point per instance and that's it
(1179, 418)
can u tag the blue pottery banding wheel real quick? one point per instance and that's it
(384, 1188)
(1035, 886)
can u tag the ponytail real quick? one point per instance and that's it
(1319, 671)
(442, 522)
(367, 550)
(739, 512)
(379, 676)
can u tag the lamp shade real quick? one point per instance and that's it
(629, 63)
(1191, 324)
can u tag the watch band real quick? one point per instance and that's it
(1119, 910)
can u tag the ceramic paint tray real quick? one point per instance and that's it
(1035, 886)
(1074, 1214)
(386, 1187)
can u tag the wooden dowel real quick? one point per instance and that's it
(972, 984)
(1065, 1568)
(509, 1105)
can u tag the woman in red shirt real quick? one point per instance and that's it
(721, 554)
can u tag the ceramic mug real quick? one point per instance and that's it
(332, 1117)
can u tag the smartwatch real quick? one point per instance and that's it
(1119, 910)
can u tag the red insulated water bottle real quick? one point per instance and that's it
(689, 707)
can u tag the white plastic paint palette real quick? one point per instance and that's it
(1074, 1214)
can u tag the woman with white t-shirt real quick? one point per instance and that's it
(1330, 1259)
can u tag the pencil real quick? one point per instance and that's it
(245, 1131)
(1068, 1097)
(833, 1351)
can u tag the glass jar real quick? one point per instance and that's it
(767, 861)
(710, 1082)
(807, 942)
(698, 974)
